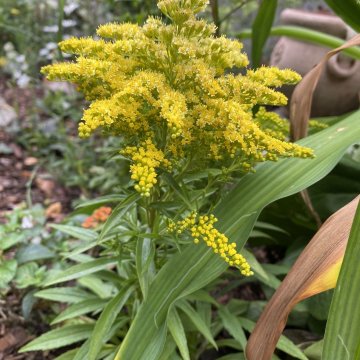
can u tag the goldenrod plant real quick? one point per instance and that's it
(202, 147)
(167, 89)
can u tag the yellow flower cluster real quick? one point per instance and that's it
(202, 227)
(272, 124)
(171, 83)
(145, 160)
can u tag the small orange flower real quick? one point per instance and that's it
(98, 216)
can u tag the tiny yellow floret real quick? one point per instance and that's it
(204, 229)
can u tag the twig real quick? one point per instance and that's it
(232, 11)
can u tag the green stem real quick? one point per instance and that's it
(215, 15)
(61, 5)
(312, 36)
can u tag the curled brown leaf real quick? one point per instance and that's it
(315, 270)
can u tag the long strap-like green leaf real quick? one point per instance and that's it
(342, 336)
(196, 266)
(307, 35)
(261, 29)
(348, 10)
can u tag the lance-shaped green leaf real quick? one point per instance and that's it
(197, 266)
(177, 331)
(261, 29)
(233, 325)
(80, 308)
(106, 320)
(342, 330)
(79, 270)
(316, 270)
(77, 232)
(307, 35)
(348, 10)
(57, 338)
(117, 214)
(197, 321)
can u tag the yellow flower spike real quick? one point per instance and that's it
(203, 229)
(316, 270)
(145, 160)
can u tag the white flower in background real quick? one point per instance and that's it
(20, 58)
(52, 3)
(17, 74)
(68, 23)
(8, 47)
(43, 52)
(68, 9)
(23, 81)
(54, 28)
(51, 45)
(36, 240)
(10, 52)
(48, 51)
(16, 65)
(24, 67)
(51, 29)
(27, 222)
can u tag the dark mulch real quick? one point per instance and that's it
(15, 331)
(24, 180)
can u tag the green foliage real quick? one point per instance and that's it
(261, 28)
(195, 268)
(304, 34)
(341, 340)
(349, 11)
(129, 289)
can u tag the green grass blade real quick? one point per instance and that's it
(80, 270)
(233, 325)
(198, 322)
(80, 308)
(145, 251)
(64, 294)
(236, 356)
(177, 331)
(76, 232)
(342, 331)
(197, 266)
(57, 338)
(155, 349)
(101, 200)
(261, 29)
(312, 36)
(117, 214)
(106, 320)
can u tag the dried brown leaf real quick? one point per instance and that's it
(53, 210)
(300, 108)
(30, 161)
(47, 186)
(301, 100)
(315, 270)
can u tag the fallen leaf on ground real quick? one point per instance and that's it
(45, 185)
(54, 210)
(30, 161)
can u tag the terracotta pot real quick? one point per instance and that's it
(339, 86)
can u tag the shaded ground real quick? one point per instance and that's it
(15, 331)
(21, 176)
(24, 180)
